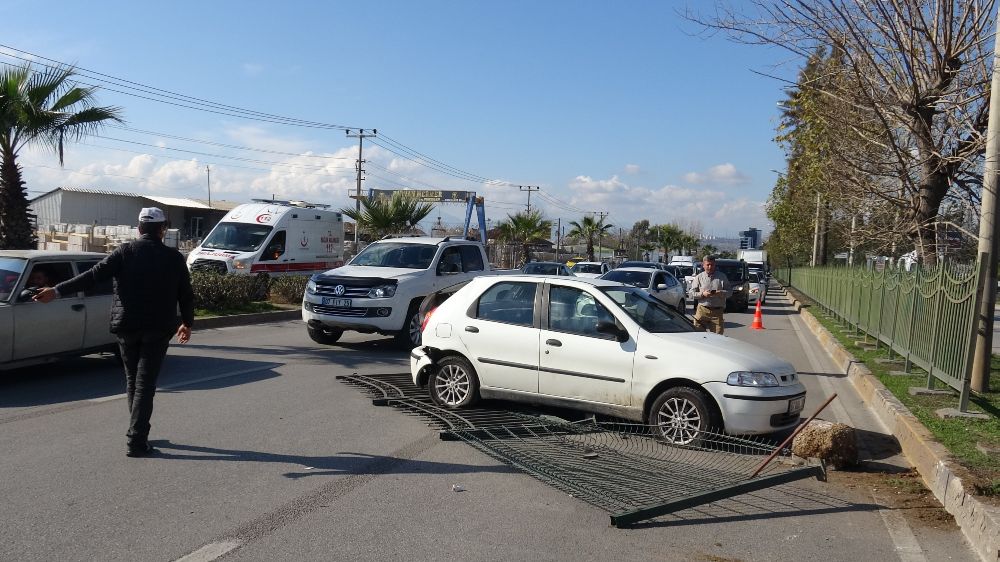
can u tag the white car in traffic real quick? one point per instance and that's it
(590, 269)
(604, 347)
(658, 283)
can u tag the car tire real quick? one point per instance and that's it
(454, 384)
(325, 336)
(683, 416)
(409, 337)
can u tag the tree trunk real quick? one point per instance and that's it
(590, 248)
(930, 193)
(16, 220)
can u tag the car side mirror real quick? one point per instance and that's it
(661, 287)
(612, 329)
(27, 294)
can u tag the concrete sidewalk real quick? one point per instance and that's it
(868, 406)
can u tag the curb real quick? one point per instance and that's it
(245, 319)
(979, 522)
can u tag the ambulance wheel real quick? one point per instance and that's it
(325, 336)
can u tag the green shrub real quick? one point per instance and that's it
(288, 290)
(216, 292)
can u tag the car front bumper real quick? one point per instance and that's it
(753, 411)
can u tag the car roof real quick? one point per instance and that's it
(563, 280)
(642, 269)
(34, 254)
(589, 263)
(425, 239)
(543, 263)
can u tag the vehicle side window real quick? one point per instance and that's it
(575, 311)
(472, 258)
(658, 279)
(48, 274)
(508, 302)
(451, 261)
(102, 288)
(670, 280)
(275, 248)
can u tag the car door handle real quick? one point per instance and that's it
(78, 307)
(472, 329)
(553, 343)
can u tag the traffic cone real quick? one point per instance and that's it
(758, 320)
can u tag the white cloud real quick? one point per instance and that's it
(632, 169)
(723, 174)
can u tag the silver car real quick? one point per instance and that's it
(75, 324)
(658, 283)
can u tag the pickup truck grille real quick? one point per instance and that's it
(349, 292)
(354, 312)
(354, 287)
(210, 266)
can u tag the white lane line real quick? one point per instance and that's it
(907, 547)
(194, 381)
(211, 551)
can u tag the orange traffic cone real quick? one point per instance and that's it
(758, 320)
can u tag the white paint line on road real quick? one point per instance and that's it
(211, 551)
(902, 537)
(195, 381)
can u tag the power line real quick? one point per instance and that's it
(223, 145)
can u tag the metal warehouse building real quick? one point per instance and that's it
(194, 218)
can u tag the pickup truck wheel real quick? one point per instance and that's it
(409, 337)
(682, 416)
(455, 384)
(325, 336)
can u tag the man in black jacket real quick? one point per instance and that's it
(150, 280)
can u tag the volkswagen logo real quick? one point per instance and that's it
(338, 290)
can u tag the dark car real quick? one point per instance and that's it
(739, 277)
(546, 268)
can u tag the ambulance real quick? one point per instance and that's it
(273, 237)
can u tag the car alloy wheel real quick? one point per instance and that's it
(455, 384)
(681, 416)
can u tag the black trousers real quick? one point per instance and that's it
(142, 354)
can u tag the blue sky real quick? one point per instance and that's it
(618, 107)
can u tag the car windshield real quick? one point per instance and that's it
(685, 271)
(396, 254)
(10, 271)
(734, 272)
(648, 312)
(634, 278)
(541, 268)
(587, 268)
(237, 237)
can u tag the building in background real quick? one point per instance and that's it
(750, 239)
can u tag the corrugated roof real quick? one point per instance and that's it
(176, 202)
(97, 191)
(185, 202)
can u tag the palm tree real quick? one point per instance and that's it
(667, 236)
(389, 215)
(524, 227)
(38, 107)
(709, 250)
(588, 228)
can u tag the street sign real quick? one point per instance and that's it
(426, 195)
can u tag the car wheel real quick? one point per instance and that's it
(682, 416)
(325, 336)
(454, 384)
(409, 337)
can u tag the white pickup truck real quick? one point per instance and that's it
(380, 290)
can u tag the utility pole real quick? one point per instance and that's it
(529, 189)
(361, 135)
(600, 234)
(558, 238)
(990, 205)
(815, 256)
(208, 172)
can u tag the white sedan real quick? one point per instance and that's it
(602, 347)
(661, 284)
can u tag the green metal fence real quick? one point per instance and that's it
(927, 317)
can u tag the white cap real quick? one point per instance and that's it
(152, 214)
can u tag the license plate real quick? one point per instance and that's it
(796, 404)
(339, 303)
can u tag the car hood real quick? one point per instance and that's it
(589, 275)
(722, 355)
(369, 271)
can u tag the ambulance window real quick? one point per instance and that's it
(275, 247)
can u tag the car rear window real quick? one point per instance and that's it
(634, 278)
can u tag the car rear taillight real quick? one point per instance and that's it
(427, 317)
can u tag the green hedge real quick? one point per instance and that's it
(217, 292)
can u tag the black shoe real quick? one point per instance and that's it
(143, 451)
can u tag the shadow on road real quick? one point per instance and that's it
(340, 463)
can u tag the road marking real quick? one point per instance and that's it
(193, 382)
(211, 551)
(902, 537)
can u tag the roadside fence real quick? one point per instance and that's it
(926, 316)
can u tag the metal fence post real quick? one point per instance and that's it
(938, 305)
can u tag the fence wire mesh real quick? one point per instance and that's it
(618, 467)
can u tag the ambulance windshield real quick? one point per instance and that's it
(237, 237)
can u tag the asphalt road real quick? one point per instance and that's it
(264, 456)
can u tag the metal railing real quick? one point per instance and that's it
(926, 316)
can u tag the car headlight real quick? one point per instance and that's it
(311, 287)
(242, 264)
(382, 292)
(751, 378)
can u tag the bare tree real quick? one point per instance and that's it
(911, 92)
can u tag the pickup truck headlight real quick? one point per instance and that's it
(751, 378)
(382, 292)
(311, 287)
(242, 264)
